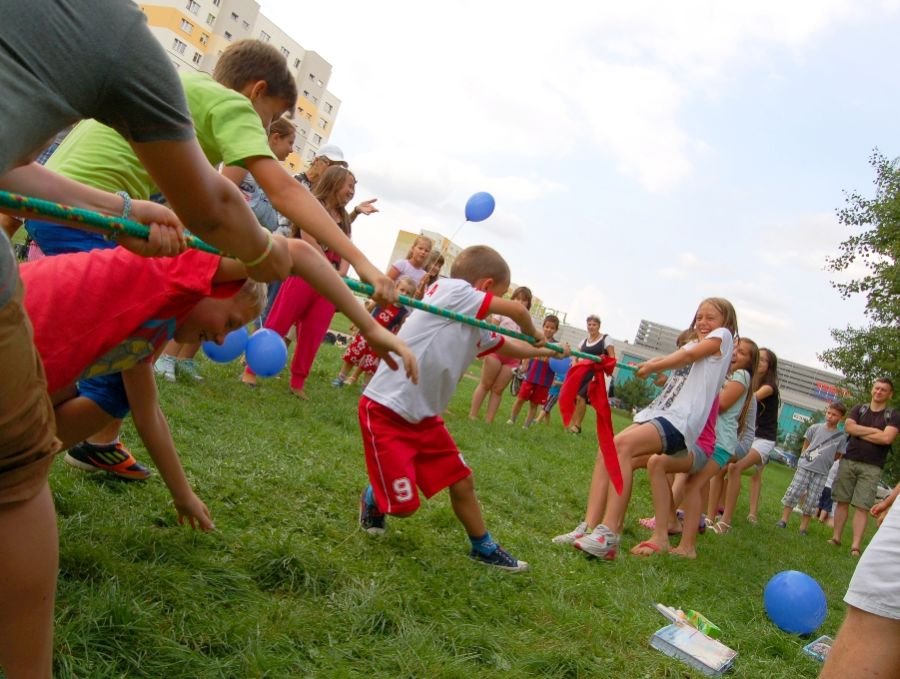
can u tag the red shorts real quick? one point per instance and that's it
(536, 393)
(401, 456)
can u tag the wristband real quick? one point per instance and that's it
(265, 253)
(126, 208)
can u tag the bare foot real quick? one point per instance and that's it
(649, 548)
(684, 553)
(299, 393)
(248, 379)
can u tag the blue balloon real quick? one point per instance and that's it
(479, 207)
(795, 602)
(230, 349)
(266, 353)
(560, 366)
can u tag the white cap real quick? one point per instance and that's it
(332, 152)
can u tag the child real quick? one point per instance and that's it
(825, 501)
(823, 444)
(497, 371)
(538, 378)
(414, 264)
(671, 423)
(407, 444)
(560, 369)
(733, 407)
(298, 304)
(359, 357)
(128, 308)
(251, 87)
(767, 400)
(433, 266)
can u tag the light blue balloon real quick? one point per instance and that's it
(230, 349)
(266, 353)
(480, 206)
(795, 602)
(560, 366)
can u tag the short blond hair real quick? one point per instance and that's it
(480, 261)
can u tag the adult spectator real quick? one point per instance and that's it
(872, 429)
(332, 155)
(594, 344)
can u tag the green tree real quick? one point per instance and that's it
(862, 354)
(635, 393)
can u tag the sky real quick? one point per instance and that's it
(642, 155)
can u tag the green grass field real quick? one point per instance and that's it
(289, 586)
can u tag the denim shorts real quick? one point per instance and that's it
(672, 439)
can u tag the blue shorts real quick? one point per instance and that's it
(672, 439)
(108, 392)
(56, 239)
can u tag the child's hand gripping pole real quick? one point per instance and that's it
(366, 289)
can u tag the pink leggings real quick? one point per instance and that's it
(298, 304)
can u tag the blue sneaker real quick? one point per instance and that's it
(501, 559)
(370, 519)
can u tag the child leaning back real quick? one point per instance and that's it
(407, 445)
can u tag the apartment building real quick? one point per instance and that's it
(195, 32)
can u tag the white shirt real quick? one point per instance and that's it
(443, 348)
(405, 267)
(688, 393)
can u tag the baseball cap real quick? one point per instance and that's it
(332, 152)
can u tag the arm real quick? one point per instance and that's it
(681, 357)
(211, 206)
(764, 392)
(140, 386)
(366, 207)
(518, 313)
(879, 510)
(882, 438)
(513, 348)
(853, 428)
(730, 393)
(166, 233)
(292, 200)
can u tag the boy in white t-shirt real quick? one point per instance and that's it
(407, 444)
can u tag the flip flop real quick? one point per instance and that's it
(855, 553)
(646, 544)
(833, 542)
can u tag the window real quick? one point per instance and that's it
(311, 154)
(323, 123)
(227, 35)
(317, 139)
(315, 99)
(234, 16)
(306, 93)
(197, 57)
(204, 38)
(328, 107)
(319, 83)
(297, 63)
(211, 19)
(187, 26)
(192, 6)
(179, 46)
(264, 36)
(286, 52)
(312, 76)
(217, 2)
(246, 25)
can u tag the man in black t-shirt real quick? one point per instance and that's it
(872, 429)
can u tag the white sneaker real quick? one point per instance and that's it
(602, 543)
(188, 367)
(165, 366)
(571, 536)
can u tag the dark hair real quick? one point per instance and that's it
(480, 261)
(326, 188)
(524, 293)
(249, 61)
(552, 319)
(837, 405)
(885, 380)
(771, 376)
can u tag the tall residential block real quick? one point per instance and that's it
(195, 32)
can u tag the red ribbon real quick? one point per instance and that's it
(597, 395)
